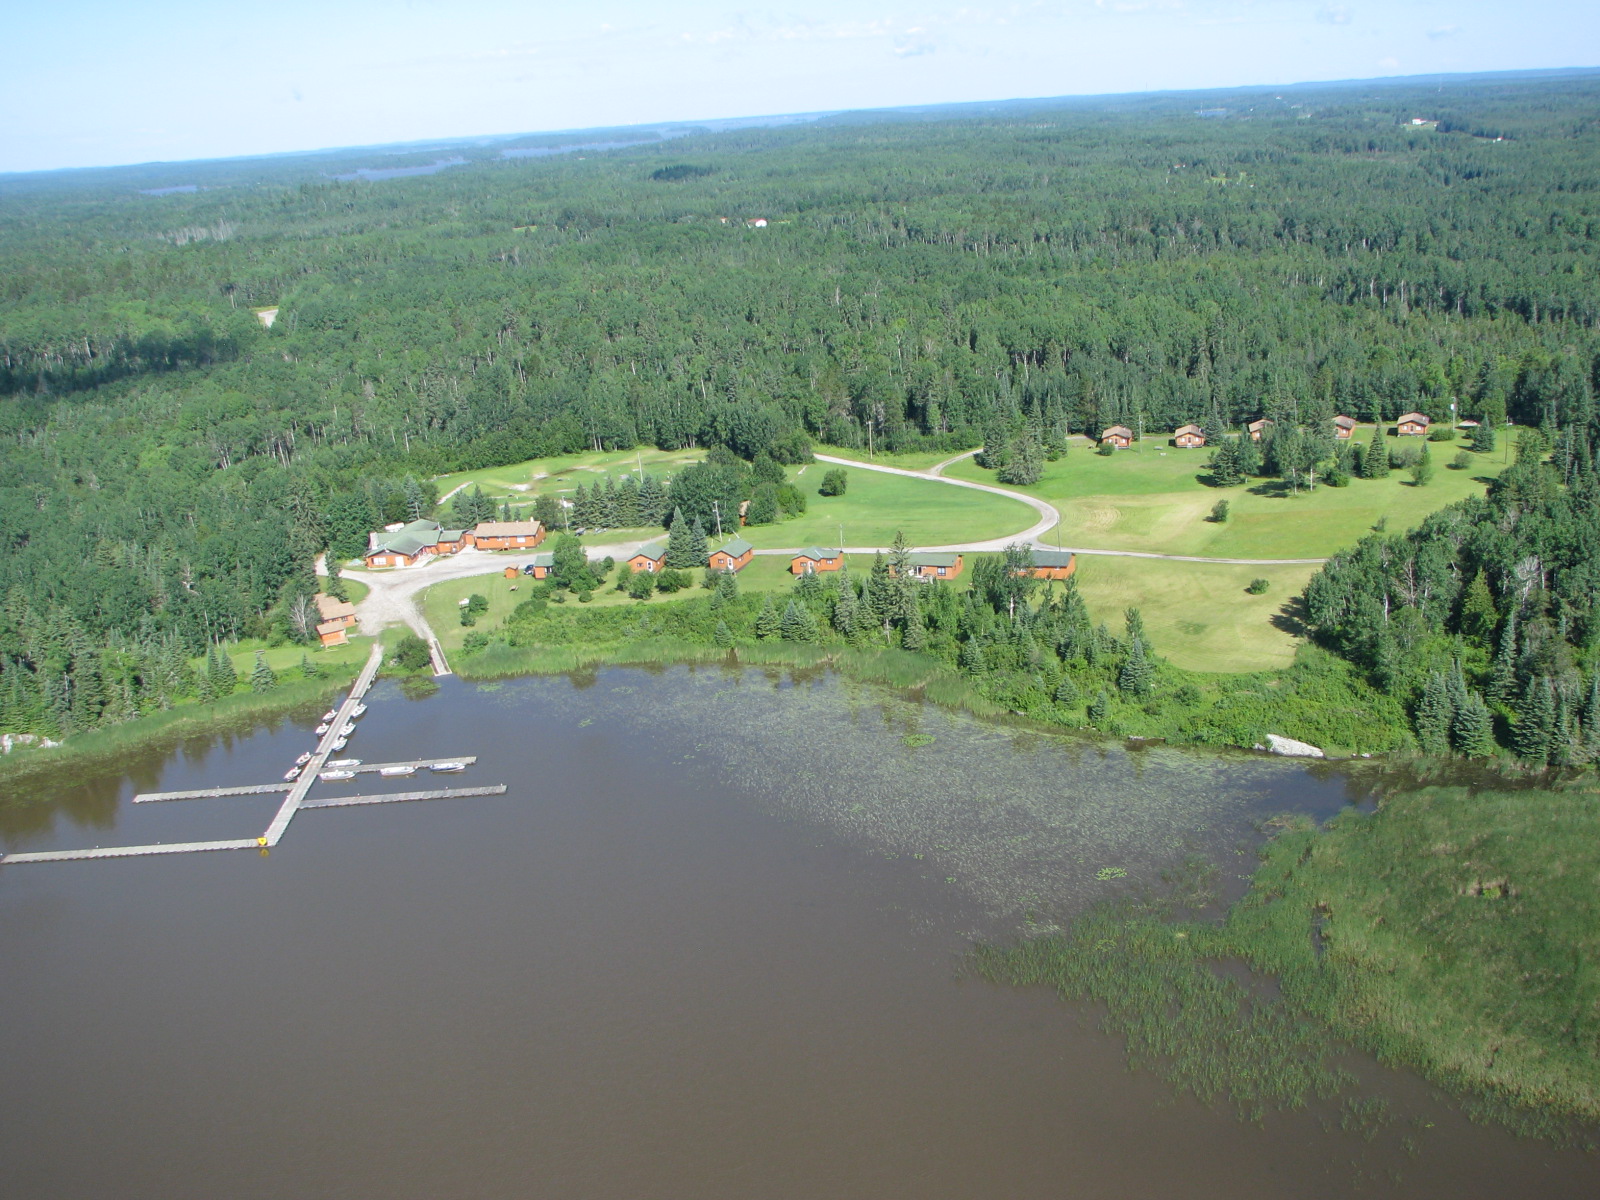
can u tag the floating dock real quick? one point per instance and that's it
(497, 789)
(254, 789)
(418, 764)
(38, 856)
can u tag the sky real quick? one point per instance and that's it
(106, 82)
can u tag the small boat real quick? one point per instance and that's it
(303, 759)
(391, 771)
(323, 728)
(340, 744)
(359, 710)
(348, 729)
(292, 774)
(330, 714)
(333, 776)
(341, 763)
(446, 767)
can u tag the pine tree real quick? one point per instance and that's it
(1503, 671)
(416, 503)
(1591, 719)
(727, 587)
(680, 542)
(1472, 732)
(262, 677)
(767, 623)
(723, 635)
(1478, 613)
(972, 660)
(652, 501)
(627, 514)
(224, 679)
(309, 669)
(915, 635)
(844, 606)
(1376, 462)
(1133, 621)
(797, 624)
(1536, 719)
(698, 549)
(1067, 692)
(1099, 708)
(1137, 673)
(1434, 716)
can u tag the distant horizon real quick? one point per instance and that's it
(107, 84)
(759, 120)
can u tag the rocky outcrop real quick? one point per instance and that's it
(16, 741)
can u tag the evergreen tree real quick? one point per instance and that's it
(915, 635)
(1137, 673)
(224, 679)
(797, 624)
(767, 621)
(699, 550)
(844, 607)
(1478, 614)
(416, 503)
(680, 542)
(627, 514)
(1226, 470)
(262, 677)
(1099, 708)
(1472, 732)
(1133, 620)
(972, 658)
(1024, 463)
(1375, 463)
(1067, 692)
(652, 501)
(1434, 716)
(1536, 722)
(1483, 438)
(723, 635)
(727, 589)
(309, 669)
(1591, 719)
(1503, 671)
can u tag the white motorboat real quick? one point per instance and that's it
(359, 710)
(341, 763)
(303, 759)
(292, 774)
(341, 744)
(323, 728)
(334, 776)
(443, 768)
(394, 771)
(330, 714)
(348, 729)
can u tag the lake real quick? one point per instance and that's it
(708, 944)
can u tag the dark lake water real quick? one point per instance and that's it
(707, 945)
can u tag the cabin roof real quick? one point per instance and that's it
(1052, 558)
(507, 529)
(818, 553)
(934, 560)
(1344, 422)
(1183, 429)
(1261, 423)
(737, 548)
(655, 552)
(1116, 431)
(1414, 418)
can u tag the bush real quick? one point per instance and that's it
(411, 654)
(834, 483)
(641, 584)
(1105, 450)
(1441, 433)
(673, 579)
(1461, 461)
(474, 642)
(1257, 586)
(1219, 512)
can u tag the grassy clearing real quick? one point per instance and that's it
(563, 473)
(1149, 499)
(878, 506)
(287, 657)
(1199, 615)
(906, 462)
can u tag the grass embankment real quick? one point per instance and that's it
(1454, 931)
(520, 482)
(1150, 499)
(162, 730)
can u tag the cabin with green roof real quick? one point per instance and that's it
(732, 557)
(813, 559)
(648, 558)
(1052, 564)
(934, 566)
(403, 547)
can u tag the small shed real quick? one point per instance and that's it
(816, 558)
(1413, 424)
(732, 557)
(1119, 436)
(648, 558)
(1188, 437)
(1053, 564)
(1344, 427)
(1257, 429)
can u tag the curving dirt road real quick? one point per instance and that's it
(392, 595)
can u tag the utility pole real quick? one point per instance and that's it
(717, 509)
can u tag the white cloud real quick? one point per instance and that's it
(1389, 62)
(1335, 14)
(1443, 31)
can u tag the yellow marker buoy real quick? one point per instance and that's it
(261, 841)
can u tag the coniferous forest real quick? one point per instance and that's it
(170, 465)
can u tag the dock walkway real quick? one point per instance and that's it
(495, 789)
(254, 789)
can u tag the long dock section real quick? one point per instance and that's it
(254, 789)
(38, 856)
(297, 793)
(496, 789)
(417, 764)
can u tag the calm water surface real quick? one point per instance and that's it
(707, 945)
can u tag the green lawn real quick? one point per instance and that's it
(1149, 499)
(906, 462)
(1198, 615)
(876, 506)
(284, 658)
(525, 480)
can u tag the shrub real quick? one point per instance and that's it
(411, 654)
(1461, 461)
(834, 483)
(1257, 586)
(672, 580)
(641, 584)
(1441, 433)
(1219, 512)
(1105, 450)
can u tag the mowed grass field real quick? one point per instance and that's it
(1198, 615)
(521, 482)
(1149, 499)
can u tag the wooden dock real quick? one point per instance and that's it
(38, 856)
(436, 655)
(297, 790)
(495, 789)
(254, 789)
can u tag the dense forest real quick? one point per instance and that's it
(170, 464)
